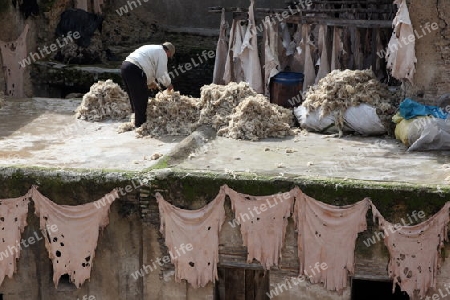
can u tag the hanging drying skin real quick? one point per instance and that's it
(286, 45)
(297, 63)
(415, 251)
(72, 247)
(337, 49)
(310, 72)
(327, 234)
(200, 228)
(233, 69)
(13, 220)
(249, 54)
(14, 57)
(271, 62)
(358, 55)
(401, 56)
(221, 52)
(324, 64)
(263, 221)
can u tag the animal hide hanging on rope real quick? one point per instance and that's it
(337, 49)
(401, 55)
(72, 246)
(14, 57)
(271, 62)
(233, 69)
(249, 54)
(197, 230)
(415, 251)
(221, 52)
(327, 235)
(310, 72)
(13, 220)
(263, 221)
(324, 64)
(297, 62)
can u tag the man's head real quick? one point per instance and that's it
(170, 49)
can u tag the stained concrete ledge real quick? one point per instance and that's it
(42, 134)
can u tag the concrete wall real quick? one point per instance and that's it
(132, 239)
(194, 14)
(432, 50)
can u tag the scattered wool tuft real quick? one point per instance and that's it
(256, 118)
(105, 99)
(170, 114)
(341, 89)
(218, 101)
(128, 126)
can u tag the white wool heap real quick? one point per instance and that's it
(234, 110)
(340, 90)
(13, 220)
(218, 101)
(256, 118)
(170, 114)
(105, 99)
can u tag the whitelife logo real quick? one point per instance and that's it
(262, 205)
(53, 48)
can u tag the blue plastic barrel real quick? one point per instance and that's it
(286, 89)
(288, 78)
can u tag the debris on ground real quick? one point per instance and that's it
(155, 156)
(105, 99)
(128, 126)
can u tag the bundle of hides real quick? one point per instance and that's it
(104, 99)
(340, 90)
(170, 114)
(256, 118)
(218, 101)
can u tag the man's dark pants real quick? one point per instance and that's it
(135, 82)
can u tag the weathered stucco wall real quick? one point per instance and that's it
(118, 253)
(432, 49)
(132, 239)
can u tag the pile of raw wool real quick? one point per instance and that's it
(105, 99)
(170, 113)
(341, 89)
(218, 101)
(256, 118)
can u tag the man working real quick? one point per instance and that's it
(140, 71)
